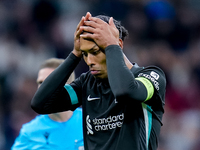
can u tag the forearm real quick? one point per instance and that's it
(50, 89)
(121, 79)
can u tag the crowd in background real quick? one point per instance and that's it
(165, 33)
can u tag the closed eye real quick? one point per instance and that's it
(84, 54)
(95, 52)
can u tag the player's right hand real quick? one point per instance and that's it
(76, 51)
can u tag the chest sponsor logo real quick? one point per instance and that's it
(102, 124)
(92, 99)
(88, 125)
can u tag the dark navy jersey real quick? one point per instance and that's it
(116, 113)
(107, 118)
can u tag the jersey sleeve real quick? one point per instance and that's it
(122, 80)
(149, 87)
(157, 77)
(53, 95)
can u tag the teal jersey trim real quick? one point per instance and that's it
(148, 121)
(72, 94)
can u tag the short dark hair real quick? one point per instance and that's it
(123, 32)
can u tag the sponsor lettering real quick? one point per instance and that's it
(155, 75)
(109, 123)
(102, 124)
(151, 78)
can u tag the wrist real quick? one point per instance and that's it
(114, 46)
(77, 53)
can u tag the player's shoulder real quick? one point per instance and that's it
(153, 73)
(154, 68)
(136, 69)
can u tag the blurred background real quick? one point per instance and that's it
(165, 33)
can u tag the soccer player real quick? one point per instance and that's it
(123, 103)
(56, 131)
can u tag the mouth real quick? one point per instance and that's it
(94, 72)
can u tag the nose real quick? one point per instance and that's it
(89, 60)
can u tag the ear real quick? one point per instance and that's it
(121, 43)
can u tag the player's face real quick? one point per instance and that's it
(94, 57)
(43, 74)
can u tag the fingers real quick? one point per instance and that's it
(111, 22)
(79, 31)
(81, 23)
(88, 29)
(87, 16)
(91, 24)
(84, 18)
(97, 20)
(87, 35)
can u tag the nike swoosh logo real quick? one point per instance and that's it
(91, 99)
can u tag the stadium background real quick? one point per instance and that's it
(163, 33)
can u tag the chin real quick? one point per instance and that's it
(98, 76)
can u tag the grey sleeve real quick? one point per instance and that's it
(121, 79)
(52, 97)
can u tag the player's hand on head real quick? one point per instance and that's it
(102, 33)
(76, 49)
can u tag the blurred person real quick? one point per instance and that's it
(54, 131)
(123, 103)
(183, 131)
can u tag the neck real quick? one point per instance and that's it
(62, 116)
(127, 62)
